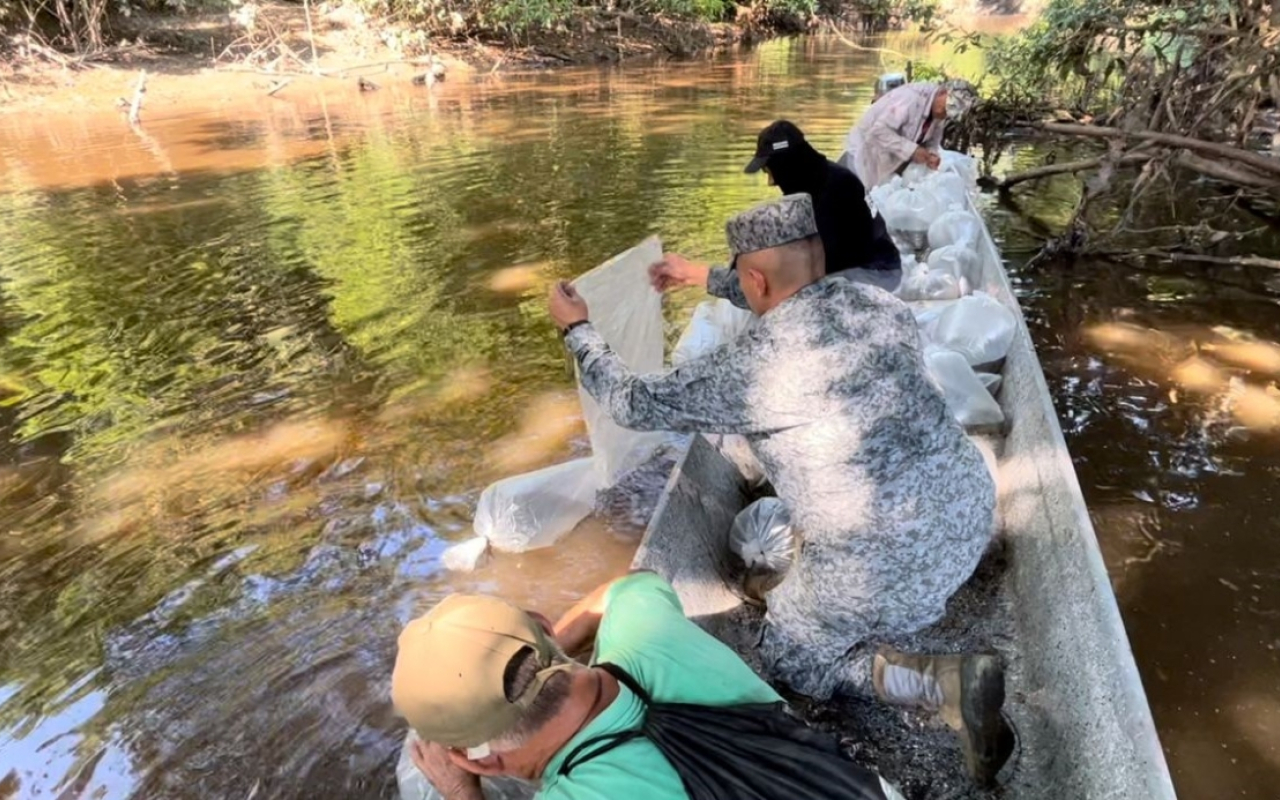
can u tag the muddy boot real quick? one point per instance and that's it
(967, 691)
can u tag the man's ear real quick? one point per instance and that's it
(756, 279)
(488, 766)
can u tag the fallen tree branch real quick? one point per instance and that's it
(311, 37)
(278, 86)
(850, 43)
(1255, 160)
(135, 108)
(1224, 172)
(1049, 170)
(1197, 258)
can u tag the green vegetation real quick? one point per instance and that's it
(1177, 91)
(88, 27)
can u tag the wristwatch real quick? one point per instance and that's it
(573, 325)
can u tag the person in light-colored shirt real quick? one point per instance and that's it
(904, 126)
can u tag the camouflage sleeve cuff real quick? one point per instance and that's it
(721, 281)
(581, 339)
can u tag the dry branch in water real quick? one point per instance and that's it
(1198, 258)
(1255, 160)
(1066, 167)
(135, 107)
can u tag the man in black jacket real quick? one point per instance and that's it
(851, 236)
(857, 244)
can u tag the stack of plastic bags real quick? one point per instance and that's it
(966, 334)
(928, 208)
(965, 346)
(536, 509)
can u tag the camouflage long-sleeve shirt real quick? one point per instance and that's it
(894, 504)
(723, 282)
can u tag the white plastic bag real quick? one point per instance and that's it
(908, 210)
(915, 174)
(627, 312)
(465, 556)
(880, 194)
(762, 536)
(966, 167)
(969, 401)
(414, 785)
(948, 189)
(991, 382)
(959, 260)
(533, 510)
(955, 226)
(714, 323)
(979, 327)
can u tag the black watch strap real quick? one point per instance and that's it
(573, 325)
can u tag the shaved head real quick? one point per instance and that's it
(770, 276)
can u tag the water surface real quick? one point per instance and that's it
(257, 363)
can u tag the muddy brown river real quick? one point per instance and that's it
(257, 362)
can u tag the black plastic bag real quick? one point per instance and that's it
(745, 752)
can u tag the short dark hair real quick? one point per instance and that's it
(520, 672)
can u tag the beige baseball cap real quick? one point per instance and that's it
(449, 669)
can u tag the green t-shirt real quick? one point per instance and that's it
(644, 631)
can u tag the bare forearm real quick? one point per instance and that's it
(575, 631)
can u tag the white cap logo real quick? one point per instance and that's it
(783, 145)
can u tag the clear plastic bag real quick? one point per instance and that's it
(525, 512)
(534, 510)
(955, 226)
(466, 556)
(979, 327)
(947, 188)
(959, 260)
(714, 323)
(762, 536)
(969, 401)
(965, 167)
(627, 311)
(908, 210)
(915, 174)
(928, 284)
(991, 382)
(414, 785)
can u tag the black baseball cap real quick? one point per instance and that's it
(777, 137)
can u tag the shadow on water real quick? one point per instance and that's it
(254, 371)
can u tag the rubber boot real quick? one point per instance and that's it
(966, 691)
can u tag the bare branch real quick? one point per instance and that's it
(1197, 258)
(1255, 160)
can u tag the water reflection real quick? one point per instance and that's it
(253, 373)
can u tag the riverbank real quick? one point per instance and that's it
(277, 51)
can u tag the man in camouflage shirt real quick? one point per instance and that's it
(893, 504)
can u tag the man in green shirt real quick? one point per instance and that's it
(489, 689)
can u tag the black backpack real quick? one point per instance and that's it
(754, 751)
